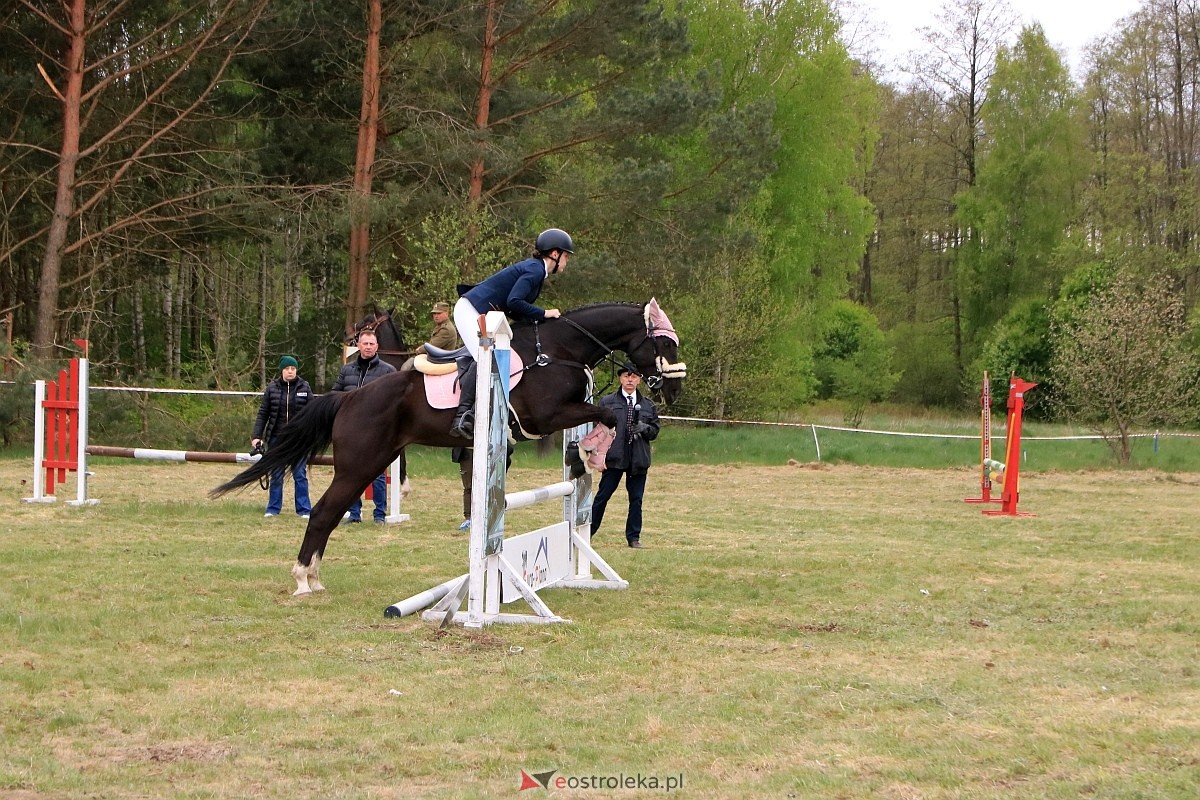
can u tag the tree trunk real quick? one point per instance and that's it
(261, 355)
(64, 199)
(484, 102)
(139, 332)
(364, 163)
(483, 107)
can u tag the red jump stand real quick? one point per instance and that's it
(1010, 492)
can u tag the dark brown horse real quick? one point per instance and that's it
(392, 347)
(369, 427)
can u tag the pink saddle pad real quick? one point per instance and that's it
(441, 391)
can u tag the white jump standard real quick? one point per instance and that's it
(502, 570)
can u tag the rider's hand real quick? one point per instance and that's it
(553, 313)
(256, 442)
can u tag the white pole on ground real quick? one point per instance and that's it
(423, 600)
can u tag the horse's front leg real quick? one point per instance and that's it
(591, 450)
(568, 415)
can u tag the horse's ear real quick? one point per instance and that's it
(391, 311)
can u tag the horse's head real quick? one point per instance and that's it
(373, 321)
(657, 354)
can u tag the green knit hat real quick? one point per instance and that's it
(288, 361)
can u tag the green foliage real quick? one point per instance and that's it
(433, 266)
(1122, 358)
(213, 423)
(852, 360)
(1029, 184)
(924, 358)
(1021, 344)
(730, 324)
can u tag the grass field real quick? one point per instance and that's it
(790, 632)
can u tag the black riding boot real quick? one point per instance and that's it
(464, 418)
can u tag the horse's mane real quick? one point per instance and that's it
(606, 304)
(589, 307)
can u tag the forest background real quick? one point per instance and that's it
(197, 188)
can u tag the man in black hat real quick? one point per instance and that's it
(629, 455)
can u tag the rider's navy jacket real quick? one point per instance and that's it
(512, 290)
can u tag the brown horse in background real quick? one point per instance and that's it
(392, 347)
(369, 427)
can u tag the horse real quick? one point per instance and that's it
(370, 426)
(392, 347)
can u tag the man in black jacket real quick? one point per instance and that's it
(282, 400)
(629, 455)
(367, 367)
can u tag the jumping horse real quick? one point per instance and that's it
(370, 426)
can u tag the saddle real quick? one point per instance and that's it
(441, 375)
(436, 361)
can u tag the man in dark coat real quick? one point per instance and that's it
(367, 367)
(282, 400)
(629, 455)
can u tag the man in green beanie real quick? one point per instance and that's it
(282, 400)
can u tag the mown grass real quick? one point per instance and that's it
(808, 632)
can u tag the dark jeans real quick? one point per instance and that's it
(635, 487)
(275, 492)
(379, 495)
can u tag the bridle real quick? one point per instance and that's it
(380, 317)
(664, 369)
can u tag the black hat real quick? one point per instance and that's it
(628, 367)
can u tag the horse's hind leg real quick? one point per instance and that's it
(308, 577)
(326, 515)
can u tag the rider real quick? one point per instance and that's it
(512, 290)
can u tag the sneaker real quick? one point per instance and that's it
(303, 516)
(635, 544)
(270, 514)
(381, 522)
(465, 526)
(356, 522)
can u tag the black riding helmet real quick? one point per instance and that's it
(554, 239)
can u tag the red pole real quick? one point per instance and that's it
(1010, 494)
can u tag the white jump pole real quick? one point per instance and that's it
(39, 445)
(81, 440)
(394, 516)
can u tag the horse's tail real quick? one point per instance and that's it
(306, 435)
